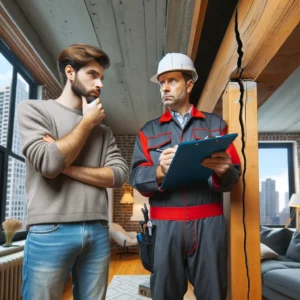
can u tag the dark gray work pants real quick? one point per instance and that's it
(194, 251)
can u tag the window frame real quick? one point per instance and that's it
(291, 172)
(6, 152)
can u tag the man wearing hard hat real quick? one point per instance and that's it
(191, 238)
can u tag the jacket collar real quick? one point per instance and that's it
(167, 116)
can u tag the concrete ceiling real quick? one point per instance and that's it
(281, 113)
(134, 33)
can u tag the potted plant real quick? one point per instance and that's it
(10, 227)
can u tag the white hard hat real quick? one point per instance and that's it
(175, 62)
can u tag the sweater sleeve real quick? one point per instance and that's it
(116, 162)
(34, 124)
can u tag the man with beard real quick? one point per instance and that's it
(71, 158)
(191, 240)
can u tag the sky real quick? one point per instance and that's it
(273, 164)
(6, 73)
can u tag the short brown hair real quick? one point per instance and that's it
(187, 76)
(77, 56)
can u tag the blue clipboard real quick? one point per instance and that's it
(186, 168)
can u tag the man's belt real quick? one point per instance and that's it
(186, 213)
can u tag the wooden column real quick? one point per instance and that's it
(237, 267)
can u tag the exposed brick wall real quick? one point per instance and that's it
(123, 212)
(274, 136)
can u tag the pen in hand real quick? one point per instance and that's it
(162, 150)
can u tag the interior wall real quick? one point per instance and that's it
(123, 212)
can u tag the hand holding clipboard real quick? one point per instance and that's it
(219, 162)
(186, 168)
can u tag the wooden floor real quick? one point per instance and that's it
(126, 265)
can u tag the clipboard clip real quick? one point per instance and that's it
(212, 137)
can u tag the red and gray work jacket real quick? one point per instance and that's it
(188, 203)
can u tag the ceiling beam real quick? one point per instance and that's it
(263, 25)
(15, 40)
(196, 27)
(284, 63)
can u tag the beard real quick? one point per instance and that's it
(79, 90)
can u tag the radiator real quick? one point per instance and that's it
(11, 276)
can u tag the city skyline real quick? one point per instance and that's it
(273, 164)
(15, 192)
(270, 212)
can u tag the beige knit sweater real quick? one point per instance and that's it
(51, 196)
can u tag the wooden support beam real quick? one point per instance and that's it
(196, 27)
(237, 266)
(264, 25)
(16, 41)
(284, 63)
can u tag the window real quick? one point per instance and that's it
(16, 84)
(5, 87)
(276, 181)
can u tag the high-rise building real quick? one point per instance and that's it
(284, 215)
(4, 114)
(285, 212)
(286, 199)
(263, 218)
(15, 194)
(269, 201)
(277, 204)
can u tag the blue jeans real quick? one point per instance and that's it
(53, 251)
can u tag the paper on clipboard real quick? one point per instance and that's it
(186, 168)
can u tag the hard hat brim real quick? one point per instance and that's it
(155, 77)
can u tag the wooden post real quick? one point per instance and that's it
(238, 286)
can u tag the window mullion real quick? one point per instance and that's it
(32, 91)
(16, 156)
(291, 180)
(3, 184)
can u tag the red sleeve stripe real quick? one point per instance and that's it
(233, 154)
(231, 150)
(216, 181)
(234, 159)
(145, 164)
(144, 145)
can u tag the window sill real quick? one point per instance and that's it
(17, 246)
